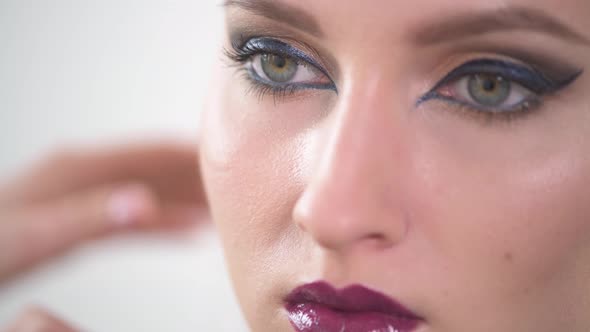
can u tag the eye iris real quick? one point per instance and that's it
(489, 90)
(277, 68)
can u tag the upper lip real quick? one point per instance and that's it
(355, 298)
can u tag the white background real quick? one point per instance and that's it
(103, 71)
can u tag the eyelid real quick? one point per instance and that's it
(255, 71)
(243, 52)
(525, 98)
(259, 45)
(529, 77)
(517, 73)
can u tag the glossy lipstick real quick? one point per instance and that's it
(320, 307)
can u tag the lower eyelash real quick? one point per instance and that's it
(541, 86)
(488, 116)
(239, 58)
(261, 90)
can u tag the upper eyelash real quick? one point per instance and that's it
(243, 52)
(516, 73)
(530, 78)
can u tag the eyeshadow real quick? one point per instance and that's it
(239, 31)
(553, 67)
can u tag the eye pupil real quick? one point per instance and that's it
(487, 90)
(278, 62)
(278, 68)
(489, 85)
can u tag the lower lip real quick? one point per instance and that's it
(311, 317)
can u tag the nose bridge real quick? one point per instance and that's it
(359, 127)
(349, 197)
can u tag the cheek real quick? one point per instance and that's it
(505, 218)
(536, 216)
(252, 154)
(240, 166)
(521, 187)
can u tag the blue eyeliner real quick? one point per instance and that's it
(262, 45)
(539, 83)
(529, 78)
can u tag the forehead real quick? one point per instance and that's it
(379, 8)
(340, 16)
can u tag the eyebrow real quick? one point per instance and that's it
(281, 12)
(506, 19)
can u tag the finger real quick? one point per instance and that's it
(182, 215)
(171, 169)
(47, 230)
(38, 320)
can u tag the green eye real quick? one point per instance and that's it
(489, 90)
(277, 68)
(285, 71)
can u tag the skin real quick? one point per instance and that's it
(39, 320)
(77, 195)
(472, 223)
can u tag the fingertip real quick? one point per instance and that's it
(131, 205)
(36, 319)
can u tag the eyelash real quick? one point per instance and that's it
(531, 79)
(242, 53)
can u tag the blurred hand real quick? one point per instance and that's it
(38, 320)
(77, 195)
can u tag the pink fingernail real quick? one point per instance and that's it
(125, 206)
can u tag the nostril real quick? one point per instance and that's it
(379, 240)
(301, 227)
(376, 236)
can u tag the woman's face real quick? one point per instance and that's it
(437, 152)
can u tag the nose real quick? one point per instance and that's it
(353, 194)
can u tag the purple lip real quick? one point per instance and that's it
(320, 307)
